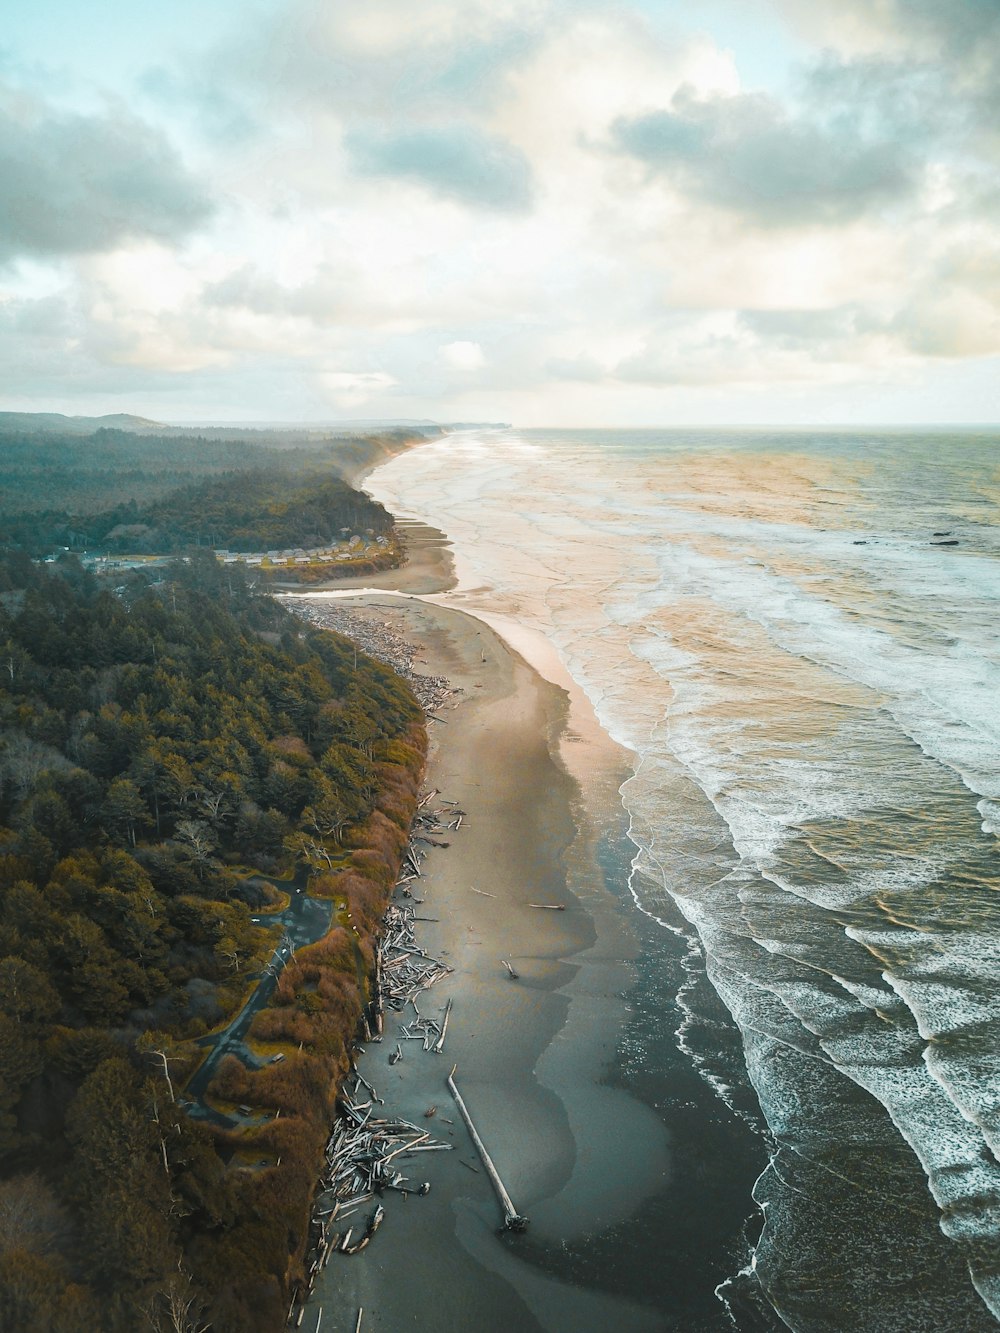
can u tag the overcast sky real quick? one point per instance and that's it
(552, 212)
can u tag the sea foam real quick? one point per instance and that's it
(808, 685)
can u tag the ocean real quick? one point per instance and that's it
(795, 635)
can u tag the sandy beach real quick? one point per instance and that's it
(539, 1058)
(576, 1156)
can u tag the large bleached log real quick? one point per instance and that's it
(512, 1219)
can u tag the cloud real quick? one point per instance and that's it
(464, 355)
(455, 161)
(942, 27)
(474, 206)
(581, 369)
(747, 154)
(248, 288)
(762, 349)
(950, 324)
(75, 184)
(804, 330)
(351, 388)
(358, 60)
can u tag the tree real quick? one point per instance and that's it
(15, 663)
(199, 842)
(23, 761)
(329, 814)
(124, 1196)
(176, 1307)
(124, 811)
(306, 847)
(31, 1217)
(47, 814)
(26, 993)
(161, 1048)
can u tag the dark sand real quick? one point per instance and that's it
(540, 1060)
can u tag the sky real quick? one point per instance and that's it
(549, 212)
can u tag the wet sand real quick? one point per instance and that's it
(539, 781)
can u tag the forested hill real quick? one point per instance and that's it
(157, 744)
(64, 470)
(241, 511)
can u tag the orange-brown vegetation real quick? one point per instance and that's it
(160, 738)
(324, 571)
(291, 748)
(316, 1008)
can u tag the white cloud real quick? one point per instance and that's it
(463, 355)
(352, 388)
(410, 185)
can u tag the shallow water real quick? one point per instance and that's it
(808, 681)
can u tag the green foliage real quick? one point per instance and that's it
(119, 1181)
(152, 740)
(83, 471)
(245, 510)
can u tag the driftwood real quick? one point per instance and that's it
(361, 1312)
(549, 907)
(374, 1222)
(438, 1046)
(360, 1156)
(364, 1147)
(483, 894)
(512, 1219)
(507, 965)
(402, 967)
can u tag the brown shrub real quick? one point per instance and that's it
(317, 1007)
(324, 885)
(291, 748)
(231, 1081)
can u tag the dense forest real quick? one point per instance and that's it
(240, 511)
(61, 471)
(177, 758)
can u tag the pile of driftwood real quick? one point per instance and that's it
(365, 1148)
(363, 1156)
(402, 968)
(426, 822)
(380, 640)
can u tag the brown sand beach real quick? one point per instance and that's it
(538, 780)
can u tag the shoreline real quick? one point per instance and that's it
(538, 781)
(605, 1134)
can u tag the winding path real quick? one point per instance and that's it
(305, 920)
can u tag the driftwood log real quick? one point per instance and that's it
(438, 1046)
(512, 1219)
